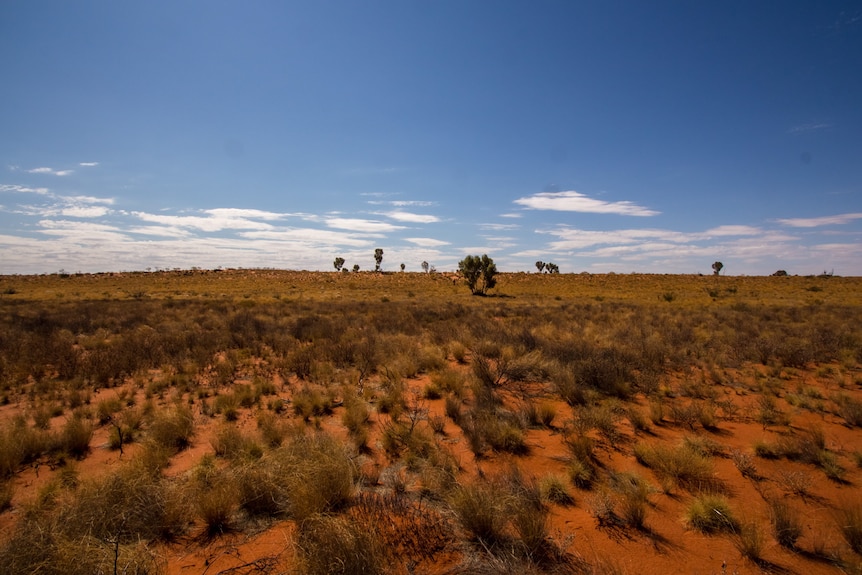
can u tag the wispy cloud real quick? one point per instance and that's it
(420, 203)
(50, 171)
(361, 225)
(88, 164)
(313, 237)
(836, 220)
(403, 216)
(85, 211)
(23, 189)
(512, 215)
(498, 227)
(733, 231)
(571, 201)
(810, 127)
(427, 242)
(209, 223)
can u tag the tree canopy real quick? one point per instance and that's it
(479, 273)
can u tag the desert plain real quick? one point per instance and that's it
(268, 421)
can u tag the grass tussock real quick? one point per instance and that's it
(681, 466)
(328, 545)
(711, 513)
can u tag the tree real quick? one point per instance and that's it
(378, 259)
(356, 267)
(540, 265)
(425, 267)
(338, 263)
(479, 273)
(716, 267)
(403, 266)
(552, 268)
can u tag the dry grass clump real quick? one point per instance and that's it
(128, 505)
(413, 532)
(506, 515)
(710, 513)
(231, 443)
(20, 444)
(678, 466)
(749, 540)
(481, 512)
(215, 496)
(849, 409)
(581, 466)
(333, 544)
(849, 520)
(785, 521)
(173, 428)
(7, 491)
(319, 474)
(554, 490)
(74, 438)
(634, 493)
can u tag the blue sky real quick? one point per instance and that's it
(599, 135)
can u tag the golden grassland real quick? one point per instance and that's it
(264, 285)
(267, 421)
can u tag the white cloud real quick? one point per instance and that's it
(88, 200)
(211, 223)
(85, 233)
(239, 213)
(23, 189)
(571, 201)
(499, 227)
(85, 211)
(512, 215)
(50, 171)
(360, 225)
(88, 164)
(421, 203)
(312, 236)
(427, 242)
(810, 127)
(733, 231)
(836, 220)
(402, 216)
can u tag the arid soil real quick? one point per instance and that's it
(761, 432)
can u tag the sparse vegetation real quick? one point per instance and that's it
(372, 414)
